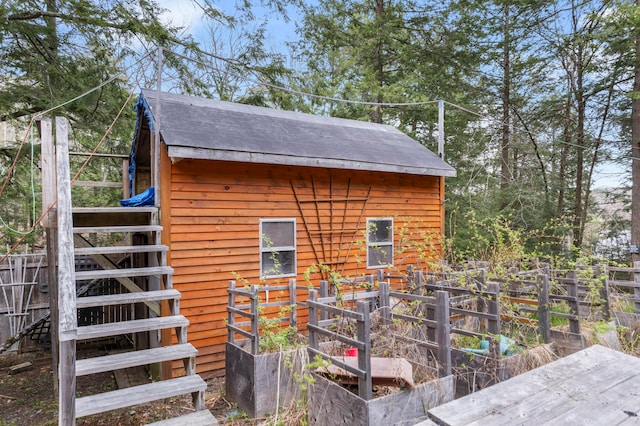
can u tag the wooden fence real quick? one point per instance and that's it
(623, 287)
(248, 305)
(23, 292)
(327, 313)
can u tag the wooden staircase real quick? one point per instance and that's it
(150, 285)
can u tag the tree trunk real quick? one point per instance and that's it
(566, 137)
(505, 175)
(594, 159)
(580, 140)
(635, 152)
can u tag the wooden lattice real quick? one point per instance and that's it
(331, 240)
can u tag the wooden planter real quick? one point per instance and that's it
(262, 384)
(474, 372)
(331, 404)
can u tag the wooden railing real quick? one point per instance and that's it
(245, 304)
(327, 313)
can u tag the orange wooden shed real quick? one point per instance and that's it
(265, 195)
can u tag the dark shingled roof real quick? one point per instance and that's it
(201, 128)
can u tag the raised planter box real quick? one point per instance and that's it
(262, 384)
(331, 404)
(474, 372)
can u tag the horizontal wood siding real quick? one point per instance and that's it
(215, 213)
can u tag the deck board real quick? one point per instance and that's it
(594, 385)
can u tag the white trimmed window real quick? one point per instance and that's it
(277, 248)
(379, 242)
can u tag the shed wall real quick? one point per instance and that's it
(215, 209)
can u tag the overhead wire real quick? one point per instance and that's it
(40, 114)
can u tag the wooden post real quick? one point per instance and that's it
(313, 320)
(493, 308)
(443, 333)
(441, 130)
(293, 313)
(546, 269)
(126, 186)
(544, 322)
(324, 292)
(481, 285)
(385, 304)
(255, 341)
(68, 321)
(574, 308)
(370, 280)
(231, 318)
(409, 274)
(155, 148)
(51, 236)
(49, 222)
(48, 167)
(365, 390)
(418, 282)
(514, 285)
(430, 311)
(601, 273)
(636, 289)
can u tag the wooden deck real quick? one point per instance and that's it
(597, 386)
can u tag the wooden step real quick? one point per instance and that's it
(113, 216)
(197, 418)
(120, 273)
(133, 326)
(135, 395)
(120, 249)
(131, 359)
(114, 210)
(126, 298)
(112, 229)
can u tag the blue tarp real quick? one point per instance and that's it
(141, 109)
(145, 198)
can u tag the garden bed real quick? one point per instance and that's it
(265, 383)
(331, 404)
(474, 372)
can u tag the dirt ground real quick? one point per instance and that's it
(27, 398)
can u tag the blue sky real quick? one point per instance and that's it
(185, 13)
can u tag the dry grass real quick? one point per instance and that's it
(531, 358)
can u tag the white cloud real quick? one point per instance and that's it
(181, 13)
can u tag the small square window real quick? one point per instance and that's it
(379, 242)
(277, 248)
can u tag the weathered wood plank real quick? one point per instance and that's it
(121, 273)
(126, 298)
(197, 418)
(131, 359)
(67, 312)
(48, 161)
(114, 229)
(101, 402)
(134, 326)
(120, 249)
(550, 403)
(617, 405)
(114, 210)
(543, 394)
(96, 184)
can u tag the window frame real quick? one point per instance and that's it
(370, 244)
(278, 249)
